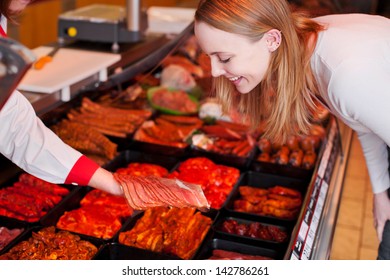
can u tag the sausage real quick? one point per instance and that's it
(264, 157)
(264, 145)
(296, 157)
(293, 142)
(309, 160)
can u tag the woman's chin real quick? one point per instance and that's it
(244, 90)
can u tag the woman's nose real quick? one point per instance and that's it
(216, 70)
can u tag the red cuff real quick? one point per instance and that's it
(82, 171)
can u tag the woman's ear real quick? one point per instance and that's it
(274, 38)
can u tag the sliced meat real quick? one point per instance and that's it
(151, 191)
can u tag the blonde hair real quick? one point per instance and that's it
(282, 101)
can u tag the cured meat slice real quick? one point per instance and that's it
(152, 191)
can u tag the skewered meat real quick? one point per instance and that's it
(152, 191)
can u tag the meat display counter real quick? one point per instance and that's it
(312, 232)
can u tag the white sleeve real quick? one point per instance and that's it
(363, 97)
(27, 142)
(375, 152)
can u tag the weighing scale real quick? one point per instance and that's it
(104, 24)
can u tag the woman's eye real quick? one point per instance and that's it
(224, 60)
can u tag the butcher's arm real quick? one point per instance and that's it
(27, 142)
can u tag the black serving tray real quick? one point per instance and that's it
(28, 233)
(72, 203)
(11, 181)
(241, 163)
(289, 170)
(158, 149)
(279, 169)
(133, 220)
(11, 223)
(116, 251)
(217, 228)
(265, 181)
(213, 242)
(129, 156)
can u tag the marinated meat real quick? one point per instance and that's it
(143, 169)
(216, 180)
(254, 230)
(30, 198)
(100, 215)
(168, 130)
(93, 220)
(177, 100)
(278, 201)
(172, 231)
(47, 244)
(85, 139)
(108, 120)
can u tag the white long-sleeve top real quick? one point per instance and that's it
(27, 142)
(351, 63)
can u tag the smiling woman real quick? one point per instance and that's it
(287, 60)
(249, 54)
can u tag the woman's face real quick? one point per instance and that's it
(17, 6)
(233, 56)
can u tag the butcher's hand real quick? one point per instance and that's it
(381, 212)
(104, 181)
